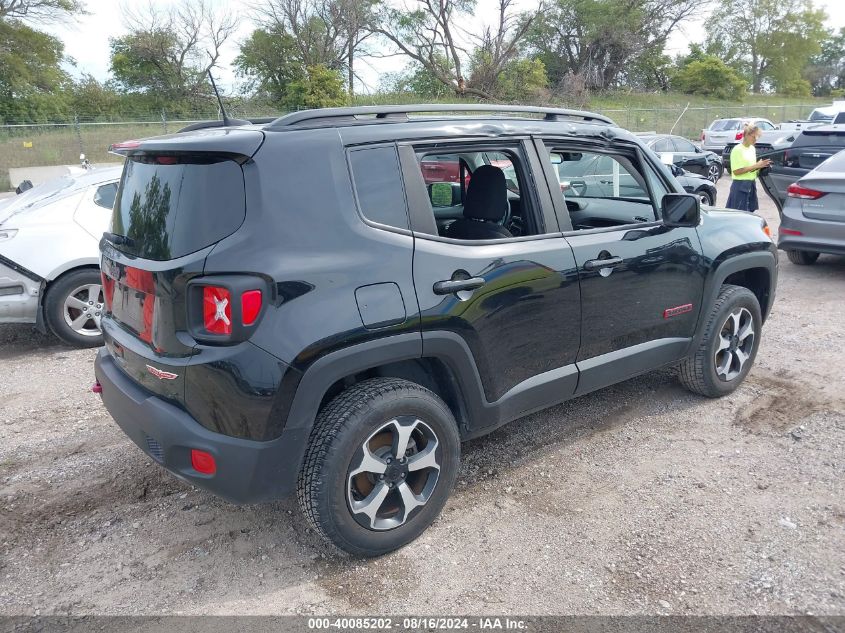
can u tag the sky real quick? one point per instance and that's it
(87, 39)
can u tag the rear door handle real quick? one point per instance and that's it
(598, 264)
(451, 286)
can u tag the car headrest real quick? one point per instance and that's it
(487, 195)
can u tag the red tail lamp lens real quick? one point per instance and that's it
(797, 191)
(250, 306)
(203, 462)
(217, 310)
(790, 232)
(738, 136)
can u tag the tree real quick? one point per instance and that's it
(39, 10)
(272, 64)
(710, 76)
(320, 87)
(605, 40)
(826, 71)
(32, 81)
(773, 40)
(327, 33)
(168, 52)
(427, 33)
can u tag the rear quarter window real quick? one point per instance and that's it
(169, 206)
(378, 185)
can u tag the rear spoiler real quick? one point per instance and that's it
(209, 138)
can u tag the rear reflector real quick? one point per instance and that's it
(250, 306)
(203, 462)
(217, 310)
(797, 191)
(789, 231)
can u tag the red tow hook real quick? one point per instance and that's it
(97, 387)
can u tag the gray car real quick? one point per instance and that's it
(813, 214)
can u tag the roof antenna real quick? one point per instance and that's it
(219, 100)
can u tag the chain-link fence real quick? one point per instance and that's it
(36, 145)
(689, 122)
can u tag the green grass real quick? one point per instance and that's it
(637, 112)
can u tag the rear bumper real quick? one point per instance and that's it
(800, 243)
(19, 294)
(247, 471)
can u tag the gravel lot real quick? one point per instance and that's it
(638, 499)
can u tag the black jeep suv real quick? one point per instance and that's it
(293, 306)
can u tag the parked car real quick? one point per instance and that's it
(812, 220)
(685, 155)
(827, 114)
(724, 131)
(49, 255)
(697, 185)
(810, 149)
(270, 331)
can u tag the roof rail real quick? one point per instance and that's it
(399, 113)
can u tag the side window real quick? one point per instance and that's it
(662, 145)
(683, 145)
(602, 190)
(378, 185)
(765, 125)
(479, 193)
(105, 194)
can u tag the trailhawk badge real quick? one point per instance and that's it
(161, 374)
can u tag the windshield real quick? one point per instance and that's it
(818, 115)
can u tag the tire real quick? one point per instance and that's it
(359, 417)
(69, 299)
(706, 197)
(802, 258)
(717, 368)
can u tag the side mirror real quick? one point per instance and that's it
(676, 170)
(698, 150)
(680, 210)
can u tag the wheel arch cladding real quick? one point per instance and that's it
(429, 372)
(757, 280)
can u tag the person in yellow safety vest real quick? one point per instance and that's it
(744, 170)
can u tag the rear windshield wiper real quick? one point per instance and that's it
(119, 240)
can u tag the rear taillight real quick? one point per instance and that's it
(217, 310)
(797, 191)
(738, 136)
(226, 308)
(702, 136)
(250, 306)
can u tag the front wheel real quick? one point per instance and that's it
(73, 306)
(802, 258)
(728, 347)
(706, 197)
(714, 172)
(380, 464)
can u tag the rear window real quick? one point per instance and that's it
(725, 125)
(835, 138)
(169, 207)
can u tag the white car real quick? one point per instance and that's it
(49, 255)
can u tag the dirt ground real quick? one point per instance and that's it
(638, 499)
